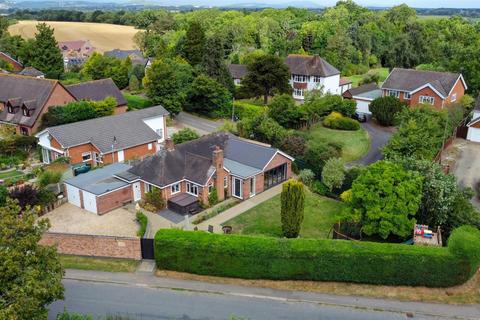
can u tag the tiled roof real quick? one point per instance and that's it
(136, 55)
(363, 88)
(310, 66)
(127, 129)
(31, 72)
(97, 90)
(238, 71)
(410, 80)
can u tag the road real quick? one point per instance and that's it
(100, 299)
(205, 126)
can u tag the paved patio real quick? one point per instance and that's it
(72, 219)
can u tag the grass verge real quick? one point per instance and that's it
(99, 264)
(11, 174)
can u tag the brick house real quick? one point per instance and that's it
(17, 66)
(75, 53)
(23, 100)
(98, 90)
(238, 72)
(110, 139)
(424, 87)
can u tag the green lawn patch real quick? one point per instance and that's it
(135, 102)
(100, 264)
(10, 174)
(355, 144)
(383, 72)
(320, 215)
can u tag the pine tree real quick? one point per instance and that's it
(195, 43)
(46, 55)
(214, 64)
(293, 203)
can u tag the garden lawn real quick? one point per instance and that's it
(10, 174)
(355, 144)
(383, 72)
(135, 102)
(319, 216)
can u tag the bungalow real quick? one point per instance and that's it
(98, 90)
(314, 73)
(417, 87)
(363, 96)
(238, 72)
(17, 66)
(104, 140)
(23, 100)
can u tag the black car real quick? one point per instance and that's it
(360, 117)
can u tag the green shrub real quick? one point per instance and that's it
(312, 259)
(154, 198)
(185, 135)
(73, 316)
(293, 204)
(345, 124)
(143, 221)
(48, 177)
(320, 188)
(213, 197)
(464, 243)
(244, 110)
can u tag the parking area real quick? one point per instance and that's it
(71, 219)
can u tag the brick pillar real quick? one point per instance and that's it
(217, 162)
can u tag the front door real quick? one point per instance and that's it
(137, 194)
(120, 156)
(237, 187)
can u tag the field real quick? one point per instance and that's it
(102, 36)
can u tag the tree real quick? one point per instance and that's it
(285, 112)
(208, 97)
(266, 75)
(167, 83)
(98, 66)
(263, 129)
(214, 63)
(46, 55)
(133, 83)
(318, 153)
(3, 195)
(30, 274)
(333, 173)
(184, 135)
(294, 145)
(293, 204)
(318, 105)
(385, 109)
(385, 197)
(195, 43)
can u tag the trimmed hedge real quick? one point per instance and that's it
(245, 110)
(324, 260)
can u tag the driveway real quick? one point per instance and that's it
(202, 125)
(379, 137)
(71, 219)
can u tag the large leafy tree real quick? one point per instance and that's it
(284, 110)
(208, 97)
(167, 82)
(293, 204)
(30, 274)
(214, 63)
(385, 109)
(46, 55)
(195, 43)
(98, 66)
(333, 173)
(266, 75)
(385, 198)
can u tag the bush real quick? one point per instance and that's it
(318, 260)
(463, 243)
(244, 110)
(320, 188)
(318, 153)
(73, 316)
(306, 176)
(154, 197)
(333, 116)
(143, 221)
(335, 120)
(294, 145)
(213, 197)
(385, 109)
(48, 177)
(333, 173)
(185, 135)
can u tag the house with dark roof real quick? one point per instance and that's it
(98, 90)
(32, 72)
(314, 73)
(136, 56)
(238, 72)
(23, 100)
(16, 65)
(110, 139)
(424, 87)
(363, 95)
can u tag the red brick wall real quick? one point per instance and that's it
(15, 64)
(94, 245)
(75, 153)
(279, 160)
(459, 89)
(438, 103)
(114, 199)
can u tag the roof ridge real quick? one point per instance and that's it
(89, 81)
(54, 81)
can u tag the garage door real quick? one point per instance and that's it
(473, 134)
(89, 202)
(362, 107)
(73, 195)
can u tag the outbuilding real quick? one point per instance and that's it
(363, 96)
(474, 125)
(98, 191)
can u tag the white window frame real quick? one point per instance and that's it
(210, 187)
(225, 182)
(98, 157)
(300, 78)
(426, 100)
(148, 187)
(175, 188)
(407, 96)
(454, 97)
(89, 156)
(25, 112)
(192, 189)
(298, 92)
(393, 93)
(317, 79)
(150, 146)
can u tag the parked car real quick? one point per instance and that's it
(360, 117)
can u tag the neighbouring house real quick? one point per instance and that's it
(17, 66)
(110, 139)
(474, 125)
(424, 87)
(136, 56)
(363, 95)
(32, 72)
(238, 72)
(23, 100)
(314, 73)
(75, 53)
(98, 90)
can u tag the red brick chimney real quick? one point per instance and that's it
(217, 162)
(169, 145)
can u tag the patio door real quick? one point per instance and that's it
(237, 187)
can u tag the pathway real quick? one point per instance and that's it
(240, 208)
(379, 137)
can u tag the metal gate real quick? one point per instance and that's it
(147, 248)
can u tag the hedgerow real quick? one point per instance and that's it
(323, 260)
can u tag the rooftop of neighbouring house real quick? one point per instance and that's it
(100, 180)
(97, 90)
(310, 65)
(238, 71)
(368, 91)
(135, 55)
(410, 80)
(31, 72)
(121, 131)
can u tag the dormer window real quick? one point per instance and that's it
(25, 112)
(10, 109)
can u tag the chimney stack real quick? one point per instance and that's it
(217, 161)
(169, 146)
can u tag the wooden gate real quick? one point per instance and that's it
(148, 251)
(462, 132)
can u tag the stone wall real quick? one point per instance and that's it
(94, 245)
